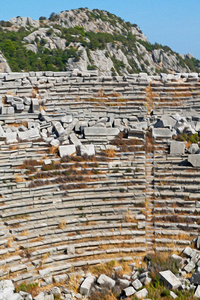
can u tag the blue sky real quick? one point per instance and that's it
(175, 23)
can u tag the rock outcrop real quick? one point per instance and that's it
(95, 39)
(4, 67)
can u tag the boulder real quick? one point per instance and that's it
(194, 160)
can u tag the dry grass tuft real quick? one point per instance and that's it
(62, 225)
(53, 150)
(19, 178)
(110, 152)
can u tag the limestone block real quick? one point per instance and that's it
(137, 284)
(104, 279)
(198, 242)
(34, 105)
(67, 150)
(193, 148)
(55, 143)
(178, 258)
(197, 292)
(67, 119)
(86, 285)
(56, 292)
(19, 107)
(10, 110)
(177, 148)
(45, 272)
(59, 129)
(162, 133)
(60, 278)
(194, 159)
(165, 122)
(188, 251)
(173, 295)
(40, 296)
(100, 131)
(117, 269)
(7, 284)
(27, 101)
(129, 291)
(48, 280)
(87, 149)
(73, 138)
(49, 297)
(14, 76)
(170, 279)
(32, 133)
(124, 283)
(189, 267)
(141, 294)
(8, 98)
(70, 250)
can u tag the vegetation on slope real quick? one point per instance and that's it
(120, 36)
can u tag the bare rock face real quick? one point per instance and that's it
(115, 47)
(4, 67)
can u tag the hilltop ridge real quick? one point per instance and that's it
(88, 40)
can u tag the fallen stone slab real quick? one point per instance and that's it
(193, 148)
(169, 279)
(137, 284)
(173, 295)
(86, 285)
(124, 283)
(177, 148)
(59, 129)
(100, 131)
(188, 251)
(129, 291)
(141, 294)
(194, 160)
(32, 133)
(165, 121)
(161, 133)
(74, 140)
(67, 150)
(11, 137)
(87, 149)
(104, 279)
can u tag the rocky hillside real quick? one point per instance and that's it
(88, 40)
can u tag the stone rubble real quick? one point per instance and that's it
(89, 284)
